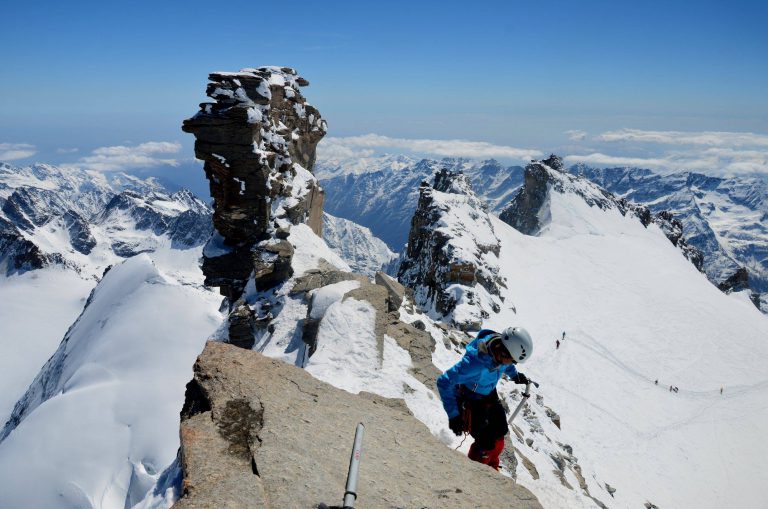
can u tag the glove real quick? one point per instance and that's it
(521, 379)
(456, 424)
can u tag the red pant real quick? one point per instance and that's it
(490, 458)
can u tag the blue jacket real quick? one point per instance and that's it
(477, 371)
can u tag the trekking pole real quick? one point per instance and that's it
(526, 395)
(350, 491)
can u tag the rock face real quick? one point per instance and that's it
(451, 261)
(259, 433)
(529, 212)
(258, 142)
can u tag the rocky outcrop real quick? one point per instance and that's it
(260, 433)
(381, 193)
(258, 143)
(451, 261)
(529, 212)
(18, 254)
(673, 229)
(737, 282)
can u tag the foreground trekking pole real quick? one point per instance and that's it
(526, 395)
(350, 491)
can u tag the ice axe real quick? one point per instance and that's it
(526, 395)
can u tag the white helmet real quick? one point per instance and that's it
(518, 343)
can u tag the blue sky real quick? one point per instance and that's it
(561, 76)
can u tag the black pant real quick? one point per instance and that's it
(484, 417)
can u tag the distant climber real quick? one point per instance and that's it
(721, 390)
(656, 382)
(557, 344)
(468, 389)
(563, 335)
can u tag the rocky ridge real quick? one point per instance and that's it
(305, 307)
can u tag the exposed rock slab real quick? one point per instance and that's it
(396, 290)
(260, 433)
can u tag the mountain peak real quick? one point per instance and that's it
(451, 260)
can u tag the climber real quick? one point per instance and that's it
(468, 389)
(557, 344)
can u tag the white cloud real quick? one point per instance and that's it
(719, 161)
(600, 159)
(120, 157)
(711, 138)
(576, 134)
(366, 145)
(14, 151)
(711, 152)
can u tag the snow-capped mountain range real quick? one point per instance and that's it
(87, 220)
(723, 218)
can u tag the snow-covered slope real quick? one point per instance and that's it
(60, 228)
(100, 422)
(37, 308)
(635, 311)
(725, 218)
(364, 252)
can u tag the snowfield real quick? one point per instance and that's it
(102, 418)
(37, 309)
(635, 311)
